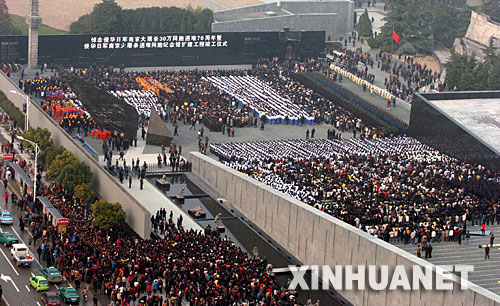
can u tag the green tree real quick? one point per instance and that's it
(466, 73)
(424, 24)
(110, 18)
(68, 171)
(85, 193)
(492, 9)
(364, 27)
(48, 155)
(82, 25)
(39, 136)
(106, 17)
(490, 53)
(108, 215)
(6, 27)
(42, 138)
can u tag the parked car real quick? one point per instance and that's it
(50, 299)
(6, 218)
(8, 239)
(39, 283)
(51, 274)
(69, 295)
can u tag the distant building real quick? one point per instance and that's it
(336, 18)
(481, 29)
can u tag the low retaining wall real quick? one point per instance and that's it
(316, 238)
(103, 183)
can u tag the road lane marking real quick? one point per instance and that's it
(56, 287)
(5, 300)
(8, 260)
(26, 245)
(32, 274)
(38, 304)
(26, 286)
(7, 279)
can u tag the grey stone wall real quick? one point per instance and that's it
(336, 18)
(316, 238)
(478, 35)
(105, 186)
(306, 22)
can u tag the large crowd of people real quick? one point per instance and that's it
(142, 100)
(67, 110)
(389, 187)
(184, 266)
(213, 97)
(260, 98)
(405, 76)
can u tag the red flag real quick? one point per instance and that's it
(395, 36)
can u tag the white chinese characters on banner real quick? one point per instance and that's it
(156, 42)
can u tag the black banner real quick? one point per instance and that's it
(159, 49)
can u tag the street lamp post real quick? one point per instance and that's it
(27, 107)
(36, 157)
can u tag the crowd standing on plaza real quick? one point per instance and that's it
(192, 97)
(406, 76)
(397, 189)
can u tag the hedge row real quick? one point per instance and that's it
(11, 110)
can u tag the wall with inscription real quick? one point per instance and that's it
(157, 49)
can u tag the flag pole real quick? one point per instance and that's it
(392, 40)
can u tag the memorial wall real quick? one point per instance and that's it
(158, 49)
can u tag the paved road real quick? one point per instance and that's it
(18, 292)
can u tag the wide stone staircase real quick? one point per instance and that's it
(486, 271)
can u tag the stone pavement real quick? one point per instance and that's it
(486, 271)
(401, 111)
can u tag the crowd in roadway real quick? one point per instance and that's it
(394, 188)
(184, 266)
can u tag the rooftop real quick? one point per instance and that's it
(249, 15)
(478, 116)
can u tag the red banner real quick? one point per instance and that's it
(395, 36)
(60, 222)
